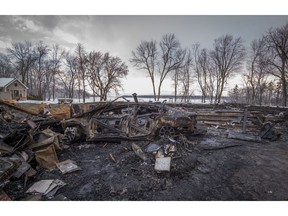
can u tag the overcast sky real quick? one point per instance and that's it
(119, 35)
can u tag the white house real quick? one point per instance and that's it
(12, 89)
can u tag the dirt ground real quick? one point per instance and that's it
(210, 167)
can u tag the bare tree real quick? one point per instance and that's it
(270, 88)
(185, 77)
(68, 76)
(228, 55)
(41, 53)
(257, 73)
(205, 72)
(6, 68)
(277, 43)
(23, 56)
(168, 59)
(81, 57)
(201, 67)
(211, 82)
(48, 79)
(56, 58)
(176, 82)
(145, 58)
(172, 57)
(256, 48)
(95, 66)
(105, 72)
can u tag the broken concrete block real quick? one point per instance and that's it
(162, 164)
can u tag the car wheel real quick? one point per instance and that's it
(167, 131)
(71, 134)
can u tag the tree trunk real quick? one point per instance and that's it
(284, 90)
(284, 83)
(84, 91)
(79, 88)
(159, 91)
(253, 96)
(220, 92)
(53, 88)
(154, 89)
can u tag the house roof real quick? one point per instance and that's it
(4, 82)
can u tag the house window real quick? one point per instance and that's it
(15, 84)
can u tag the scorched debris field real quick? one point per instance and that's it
(143, 151)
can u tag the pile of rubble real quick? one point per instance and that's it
(27, 145)
(31, 142)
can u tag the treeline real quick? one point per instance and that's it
(263, 67)
(51, 72)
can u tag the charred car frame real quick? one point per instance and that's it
(117, 121)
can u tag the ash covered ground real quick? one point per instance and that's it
(207, 167)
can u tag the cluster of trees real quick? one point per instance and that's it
(51, 72)
(263, 67)
(265, 80)
(211, 68)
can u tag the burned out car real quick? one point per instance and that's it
(117, 121)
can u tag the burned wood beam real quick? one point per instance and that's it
(17, 108)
